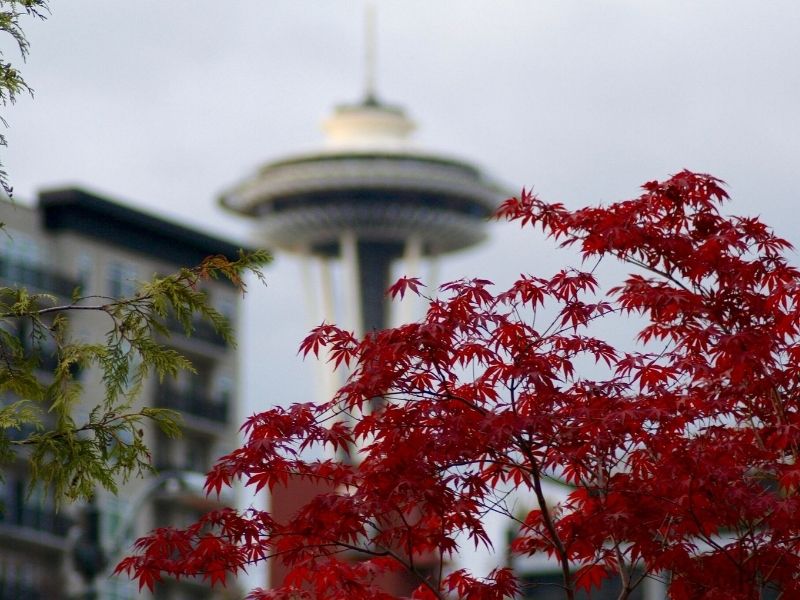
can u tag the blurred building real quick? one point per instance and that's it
(77, 240)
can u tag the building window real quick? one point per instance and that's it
(85, 269)
(223, 390)
(8, 505)
(30, 509)
(116, 531)
(20, 258)
(19, 578)
(119, 588)
(121, 278)
(227, 308)
(198, 454)
(20, 248)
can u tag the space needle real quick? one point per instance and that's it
(367, 198)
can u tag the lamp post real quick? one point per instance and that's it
(96, 563)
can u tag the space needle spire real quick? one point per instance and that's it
(370, 50)
(366, 199)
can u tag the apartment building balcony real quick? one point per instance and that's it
(33, 528)
(38, 518)
(36, 278)
(14, 589)
(194, 403)
(201, 330)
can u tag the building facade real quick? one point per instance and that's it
(73, 239)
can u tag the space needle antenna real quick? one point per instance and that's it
(370, 96)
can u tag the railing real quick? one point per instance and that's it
(170, 465)
(14, 590)
(201, 330)
(198, 405)
(40, 518)
(37, 277)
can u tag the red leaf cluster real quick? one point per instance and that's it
(681, 453)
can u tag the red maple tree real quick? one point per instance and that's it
(681, 453)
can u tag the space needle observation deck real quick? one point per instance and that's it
(368, 197)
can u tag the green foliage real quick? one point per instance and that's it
(70, 457)
(11, 82)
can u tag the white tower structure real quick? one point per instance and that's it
(368, 197)
(365, 199)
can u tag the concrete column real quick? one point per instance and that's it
(309, 287)
(329, 380)
(327, 299)
(408, 308)
(352, 275)
(434, 274)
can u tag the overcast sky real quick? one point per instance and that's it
(165, 104)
